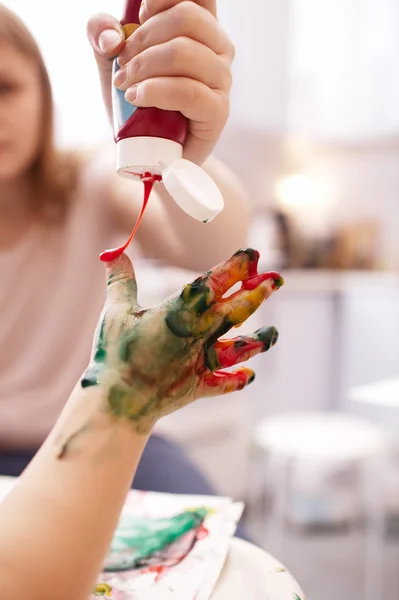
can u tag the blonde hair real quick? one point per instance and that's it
(54, 173)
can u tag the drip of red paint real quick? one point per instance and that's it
(148, 180)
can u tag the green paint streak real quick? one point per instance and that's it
(117, 401)
(100, 356)
(179, 320)
(88, 381)
(129, 283)
(138, 538)
(91, 375)
(196, 295)
(223, 328)
(211, 360)
(120, 400)
(126, 344)
(101, 353)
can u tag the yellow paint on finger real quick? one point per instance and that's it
(246, 304)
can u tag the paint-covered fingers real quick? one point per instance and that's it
(241, 266)
(212, 286)
(223, 382)
(227, 353)
(238, 307)
(121, 281)
(183, 20)
(149, 8)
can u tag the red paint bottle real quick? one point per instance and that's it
(151, 140)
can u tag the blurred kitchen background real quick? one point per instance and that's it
(311, 446)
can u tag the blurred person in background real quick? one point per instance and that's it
(58, 210)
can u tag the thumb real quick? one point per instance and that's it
(106, 37)
(121, 281)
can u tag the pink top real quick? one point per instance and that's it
(51, 294)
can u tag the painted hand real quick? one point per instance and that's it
(150, 362)
(179, 59)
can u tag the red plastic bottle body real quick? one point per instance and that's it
(130, 121)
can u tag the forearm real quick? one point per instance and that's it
(204, 245)
(57, 523)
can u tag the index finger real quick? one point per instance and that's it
(149, 8)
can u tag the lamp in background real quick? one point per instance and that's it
(307, 202)
(302, 211)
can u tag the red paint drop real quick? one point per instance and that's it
(202, 533)
(148, 180)
(159, 570)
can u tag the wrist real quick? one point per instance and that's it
(88, 420)
(124, 401)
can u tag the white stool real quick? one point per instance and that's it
(329, 439)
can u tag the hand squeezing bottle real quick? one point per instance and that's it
(149, 146)
(149, 143)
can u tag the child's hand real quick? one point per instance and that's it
(150, 362)
(179, 59)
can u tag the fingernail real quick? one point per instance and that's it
(109, 40)
(278, 281)
(267, 335)
(251, 379)
(120, 77)
(131, 93)
(143, 11)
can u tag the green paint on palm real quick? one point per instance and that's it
(138, 538)
(126, 344)
(117, 401)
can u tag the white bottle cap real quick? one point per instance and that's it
(193, 190)
(138, 155)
